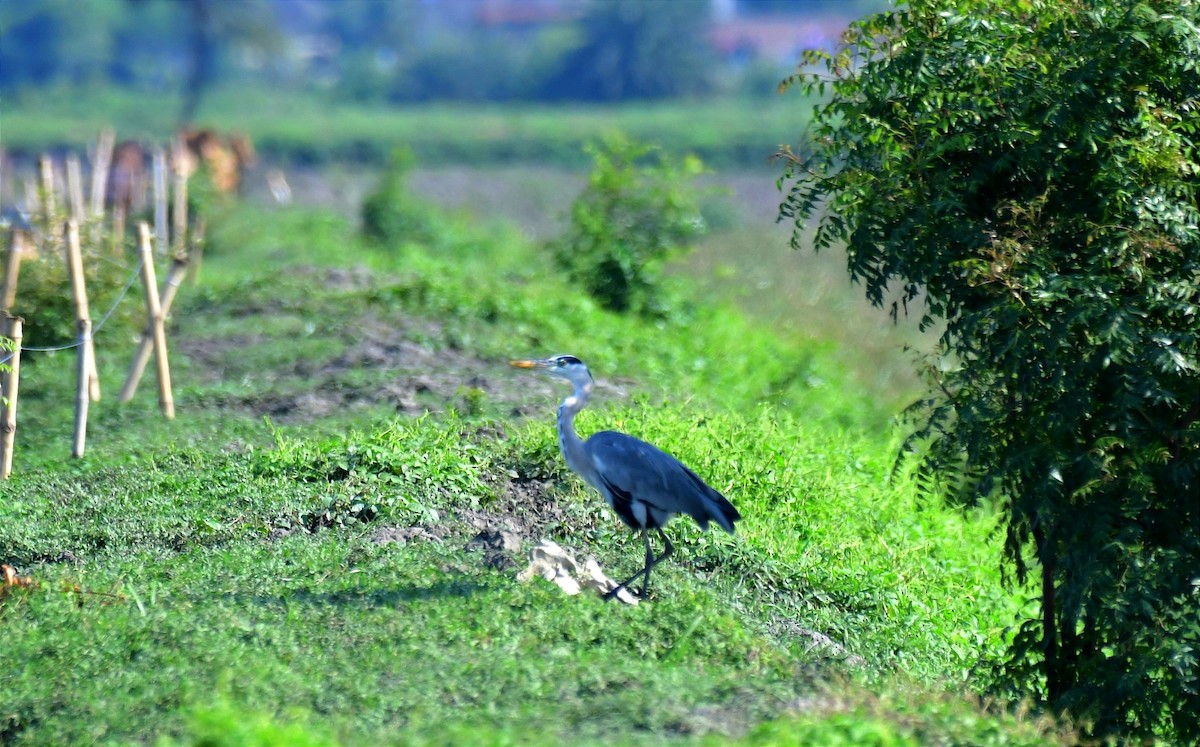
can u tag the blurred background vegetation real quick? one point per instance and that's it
(494, 104)
(403, 52)
(314, 80)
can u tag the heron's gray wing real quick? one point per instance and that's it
(635, 471)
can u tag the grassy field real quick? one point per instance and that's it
(744, 259)
(291, 560)
(296, 128)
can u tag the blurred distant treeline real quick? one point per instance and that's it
(407, 50)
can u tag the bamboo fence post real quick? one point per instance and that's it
(82, 315)
(159, 165)
(196, 255)
(49, 208)
(100, 169)
(33, 203)
(12, 267)
(118, 230)
(154, 311)
(142, 356)
(12, 379)
(75, 187)
(179, 239)
(85, 371)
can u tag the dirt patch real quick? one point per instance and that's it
(498, 540)
(357, 277)
(501, 550)
(385, 359)
(535, 508)
(404, 535)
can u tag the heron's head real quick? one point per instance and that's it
(563, 366)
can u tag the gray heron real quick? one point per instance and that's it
(643, 484)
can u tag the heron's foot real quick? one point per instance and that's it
(638, 595)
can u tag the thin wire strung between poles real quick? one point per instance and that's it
(129, 284)
(113, 262)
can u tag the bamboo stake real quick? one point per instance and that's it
(49, 208)
(33, 203)
(118, 230)
(140, 358)
(100, 169)
(8, 424)
(85, 372)
(61, 196)
(179, 237)
(12, 267)
(82, 315)
(196, 256)
(75, 187)
(160, 199)
(154, 312)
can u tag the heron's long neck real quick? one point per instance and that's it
(568, 440)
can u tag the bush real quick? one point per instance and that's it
(636, 212)
(392, 215)
(44, 298)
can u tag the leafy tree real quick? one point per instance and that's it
(636, 49)
(213, 25)
(1028, 171)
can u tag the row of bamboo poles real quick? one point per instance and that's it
(42, 198)
(56, 231)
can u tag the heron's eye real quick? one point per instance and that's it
(562, 362)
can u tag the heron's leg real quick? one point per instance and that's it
(650, 561)
(645, 572)
(668, 548)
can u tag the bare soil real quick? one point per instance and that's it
(385, 360)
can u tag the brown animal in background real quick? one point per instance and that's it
(226, 158)
(243, 148)
(127, 177)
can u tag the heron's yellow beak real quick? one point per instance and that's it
(526, 364)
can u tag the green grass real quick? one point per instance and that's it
(224, 580)
(809, 295)
(306, 128)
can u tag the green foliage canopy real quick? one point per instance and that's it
(1028, 171)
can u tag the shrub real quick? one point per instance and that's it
(44, 298)
(636, 212)
(392, 214)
